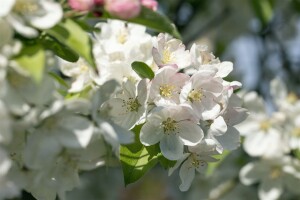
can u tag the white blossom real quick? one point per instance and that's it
(40, 14)
(166, 86)
(173, 127)
(274, 176)
(202, 93)
(129, 106)
(170, 51)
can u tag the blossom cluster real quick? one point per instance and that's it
(72, 117)
(274, 139)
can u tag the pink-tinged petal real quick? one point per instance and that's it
(270, 189)
(151, 134)
(186, 174)
(213, 86)
(171, 147)
(219, 126)
(190, 133)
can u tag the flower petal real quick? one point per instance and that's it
(270, 189)
(150, 134)
(171, 147)
(190, 133)
(187, 174)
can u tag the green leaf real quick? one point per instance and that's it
(59, 79)
(263, 10)
(73, 36)
(143, 70)
(32, 59)
(59, 49)
(165, 163)
(136, 159)
(153, 20)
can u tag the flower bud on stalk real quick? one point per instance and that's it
(124, 9)
(151, 4)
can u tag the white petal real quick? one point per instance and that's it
(19, 25)
(6, 7)
(190, 133)
(171, 147)
(53, 15)
(230, 140)
(178, 163)
(252, 173)
(39, 147)
(292, 183)
(151, 134)
(270, 189)
(224, 69)
(187, 174)
(219, 126)
(75, 131)
(115, 134)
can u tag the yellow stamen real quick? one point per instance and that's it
(166, 90)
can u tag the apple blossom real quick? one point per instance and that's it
(170, 51)
(166, 86)
(173, 127)
(274, 175)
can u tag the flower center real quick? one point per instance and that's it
(166, 56)
(275, 172)
(25, 7)
(292, 98)
(166, 90)
(84, 68)
(195, 95)
(122, 36)
(296, 132)
(169, 125)
(132, 105)
(265, 125)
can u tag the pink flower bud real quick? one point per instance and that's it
(98, 2)
(81, 5)
(151, 4)
(124, 9)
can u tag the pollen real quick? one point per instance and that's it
(169, 126)
(166, 90)
(195, 95)
(275, 173)
(24, 6)
(166, 56)
(83, 68)
(296, 132)
(292, 98)
(132, 105)
(122, 37)
(265, 125)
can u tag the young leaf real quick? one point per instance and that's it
(32, 59)
(136, 159)
(60, 49)
(153, 20)
(143, 70)
(73, 36)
